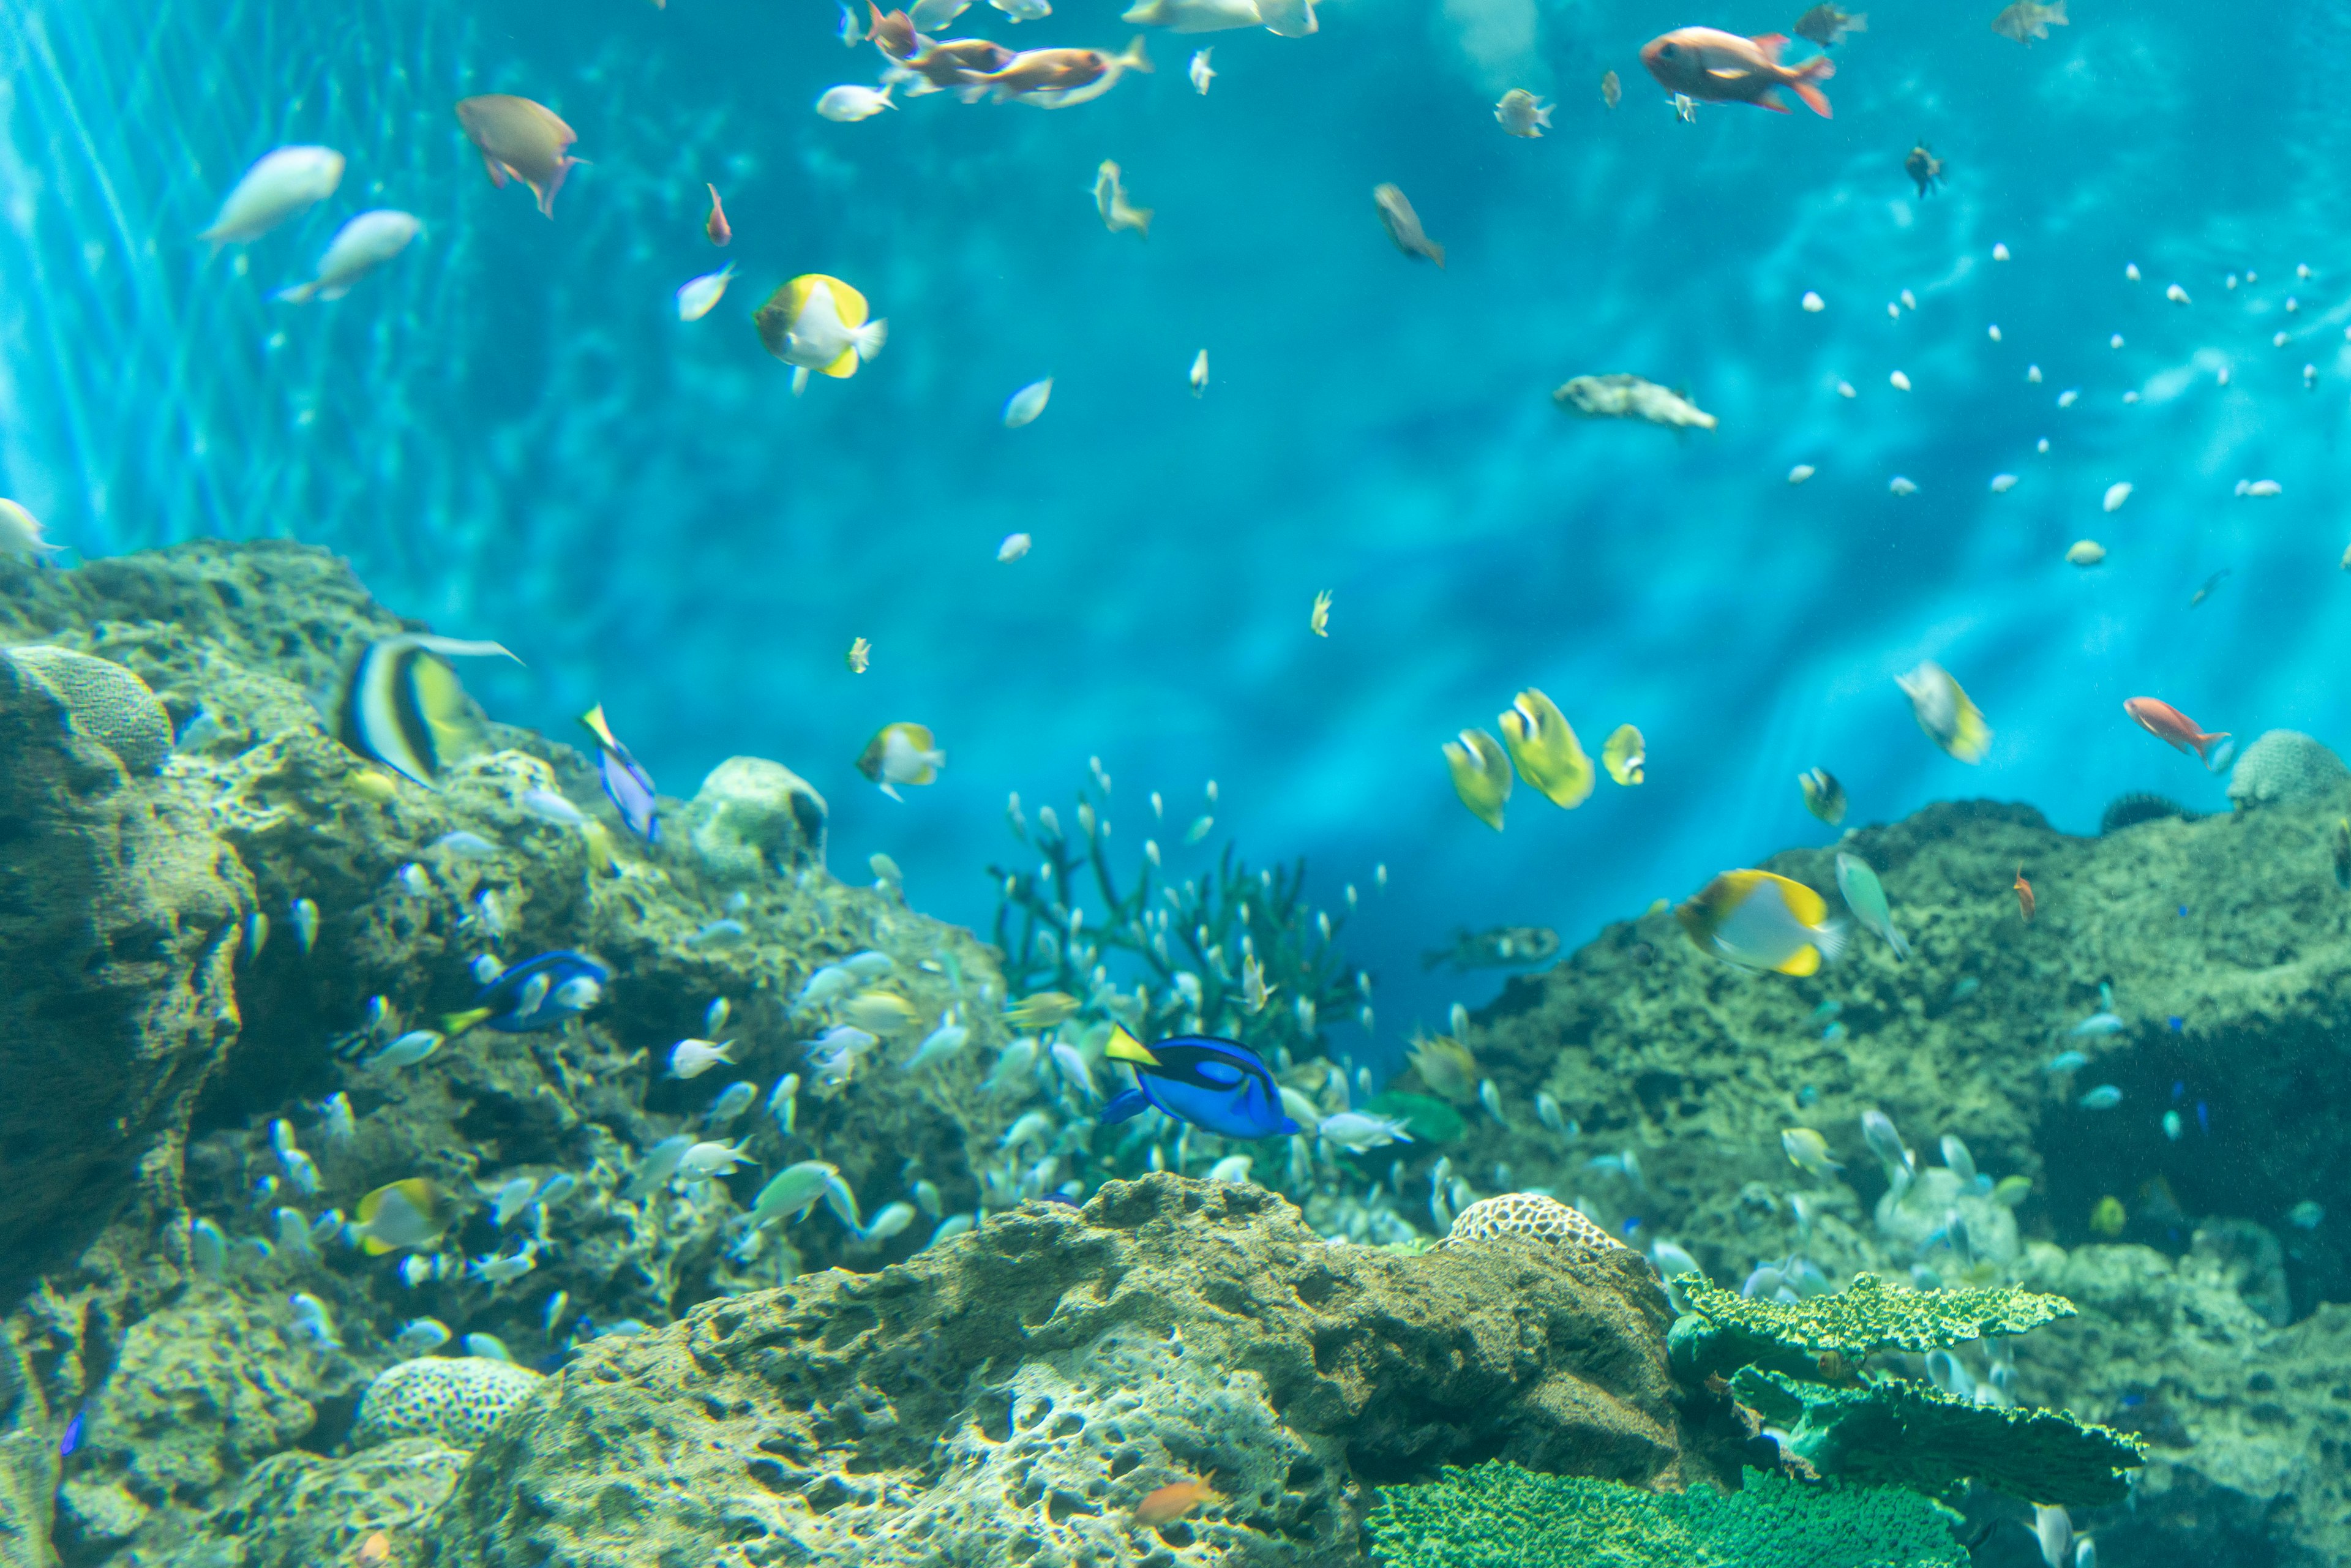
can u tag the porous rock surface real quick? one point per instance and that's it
(1010, 1396)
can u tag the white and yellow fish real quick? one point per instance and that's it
(1944, 712)
(698, 297)
(819, 323)
(358, 247)
(1481, 775)
(1759, 920)
(1543, 745)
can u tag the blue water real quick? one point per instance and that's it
(510, 434)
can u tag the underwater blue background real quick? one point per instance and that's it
(511, 435)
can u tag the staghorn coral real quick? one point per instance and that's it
(1893, 1431)
(2285, 766)
(1192, 939)
(455, 1399)
(1726, 1330)
(1533, 1215)
(1499, 1514)
(108, 704)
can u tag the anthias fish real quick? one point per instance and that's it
(1501, 947)
(2169, 725)
(1715, 66)
(1217, 1085)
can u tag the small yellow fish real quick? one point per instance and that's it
(1612, 92)
(1319, 621)
(1543, 745)
(1043, 1009)
(1823, 796)
(2085, 552)
(1808, 1151)
(881, 1012)
(402, 1216)
(860, 653)
(1445, 1065)
(2108, 1218)
(1944, 712)
(900, 754)
(370, 784)
(1625, 756)
(819, 323)
(1759, 920)
(1481, 775)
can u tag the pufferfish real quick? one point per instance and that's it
(819, 323)
(1758, 920)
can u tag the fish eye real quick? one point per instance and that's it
(1670, 50)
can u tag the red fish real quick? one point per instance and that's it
(1172, 1502)
(2167, 723)
(715, 224)
(1716, 67)
(2023, 896)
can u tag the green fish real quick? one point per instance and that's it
(1865, 896)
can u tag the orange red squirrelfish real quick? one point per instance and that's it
(1172, 1502)
(714, 226)
(2023, 896)
(1715, 66)
(2167, 723)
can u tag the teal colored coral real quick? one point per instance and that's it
(1891, 1431)
(1499, 1516)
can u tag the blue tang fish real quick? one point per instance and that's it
(538, 994)
(1214, 1085)
(630, 786)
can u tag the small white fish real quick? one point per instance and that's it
(1025, 405)
(1023, 11)
(1255, 992)
(20, 533)
(512, 1197)
(869, 965)
(358, 247)
(827, 983)
(280, 184)
(488, 1347)
(896, 1216)
(1490, 1098)
(847, 104)
(1801, 472)
(1844, 389)
(1808, 1151)
(1232, 1169)
(1202, 73)
(311, 1321)
(1898, 382)
(1358, 1131)
(2259, 487)
(1813, 302)
(1035, 1127)
(932, 15)
(2000, 252)
(697, 297)
(2002, 484)
(407, 1050)
(1992, 331)
(552, 806)
(2176, 294)
(705, 1160)
(1014, 547)
(1014, 1068)
(420, 1336)
(939, 1044)
(1070, 1063)
(2116, 494)
(852, 26)
(336, 1122)
(1900, 485)
(1523, 114)
(693, 1058)
(494, 1272)
(305, 920)
(464, 846)
(1200, 374)
(732, 1101)
(1110, 201)
(1909, 300)
(2069, 397)
(954, 1225)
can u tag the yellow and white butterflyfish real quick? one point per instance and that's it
(1944, 712)
(1625, 756)
(1481, 775)
(1543, 745)
(402, 1216)
(1759, 920)
(819, 323)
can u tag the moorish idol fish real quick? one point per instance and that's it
(1217, 1085)
(630, 786)
(402, 707)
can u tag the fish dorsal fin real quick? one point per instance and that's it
(1124, 1047)
(849, 304)
(1770, 44)
(1809, 907)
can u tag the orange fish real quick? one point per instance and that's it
(714, 226)
(1170, 1503)
(2167, 723)
(893, 33)
(2023, 895)
(959, 62)
(376, 1549)
(1716, 67)
(1062, 76)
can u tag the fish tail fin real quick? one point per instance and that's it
(1130, 1104)
(866, 341)
(1818, 70)
(2204, 745)
(1135, 59)
(1899, 943)
(455, 1024)
(1832, 938)
(2056, 15)
(296, 294)
(1858, 22)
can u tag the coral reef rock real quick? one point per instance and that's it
(301, 1510)
(1013, 1394)
(753, 818)
(453, 1400)
(108, 703)
(2286, 766)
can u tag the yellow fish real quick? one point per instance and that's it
(1481, 775)
(1319, 622)
(1625, 754)
(860, 653)
(1043, 1009)
(2108, 1218)
(402, 1216)
(1543, 744)
(1944, 712)
(819, 323)
(1445, 1065)
(1823, 796)
(900, 754)
(1758, 920)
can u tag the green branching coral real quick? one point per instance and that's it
(1195, 941)
(1725, 1331)
(1499, 1516)
(1894, 1432)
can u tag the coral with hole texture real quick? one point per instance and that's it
(1501, 1516)
(2286, 766)
(1726, 1330)
(1012, 1393)
(453, 1400)
(1531, 1214)
(108, 704)
(1894, 1432)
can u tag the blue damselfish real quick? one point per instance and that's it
(1217, 1085)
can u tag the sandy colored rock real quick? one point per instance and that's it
(1011, 1395)
(753, 818)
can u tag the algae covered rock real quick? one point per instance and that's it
(455, 1400)
(2286, 766)
(1013, 1394)
(301, 1509)
(755, 818)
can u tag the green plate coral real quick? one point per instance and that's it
(1499, 1516)
(1726, 1330)
(1894, 1432)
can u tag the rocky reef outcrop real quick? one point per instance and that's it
(1015, 1394)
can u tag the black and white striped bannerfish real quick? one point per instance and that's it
(402, 707)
